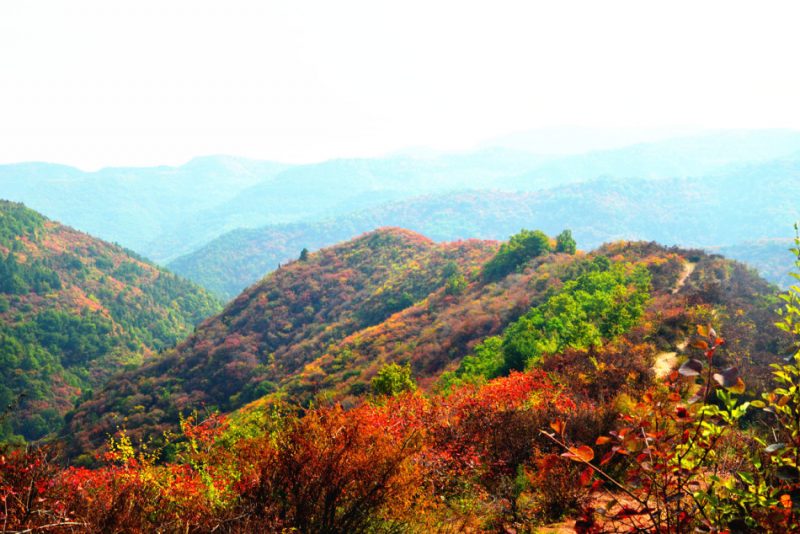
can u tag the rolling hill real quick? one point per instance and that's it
(320, 328)
(73, 311)
(272, 330)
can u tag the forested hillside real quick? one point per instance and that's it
(73, 311)
(744, 204)
(399, 268)
(271, 331)
(322, 327)
(391, 383)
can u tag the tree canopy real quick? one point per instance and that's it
(565, 242)
(521, 247)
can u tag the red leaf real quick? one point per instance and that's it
(586, 476)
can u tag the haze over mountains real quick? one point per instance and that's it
(708, 189)
(745, 204)
(131, 206)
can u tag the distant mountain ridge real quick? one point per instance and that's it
(743, 204)
(130, 205)
(694, 156)
(166, 212)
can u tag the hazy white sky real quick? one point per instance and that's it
(103, 82)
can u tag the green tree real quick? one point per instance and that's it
(485, 362)
(520, 249)
(393, 379)
(456, 284)
(565, 242)
(606, 300)
(304, 254)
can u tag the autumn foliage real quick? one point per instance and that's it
(73, 311)
(369, 388)
(408, 461)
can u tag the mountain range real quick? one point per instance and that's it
(731, 210)
(166, 212)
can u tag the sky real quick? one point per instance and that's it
(97, 83)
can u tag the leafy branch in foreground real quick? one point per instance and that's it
(686, 462)
(668, 444)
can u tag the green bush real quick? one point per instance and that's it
(393, 379)
(520, 249)
(566, 243)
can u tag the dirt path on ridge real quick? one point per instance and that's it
(665, 362)
(688, 269)
(663, 365)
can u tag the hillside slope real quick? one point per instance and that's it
(74, 310)
(770, 257)
(320, 329)
(747, 203)
(276, 327)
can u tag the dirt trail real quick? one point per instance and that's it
(663, 365)
(688, 269)
(665, 362)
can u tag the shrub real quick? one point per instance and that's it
(521, 248)
(565, 243)
(393, 379)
